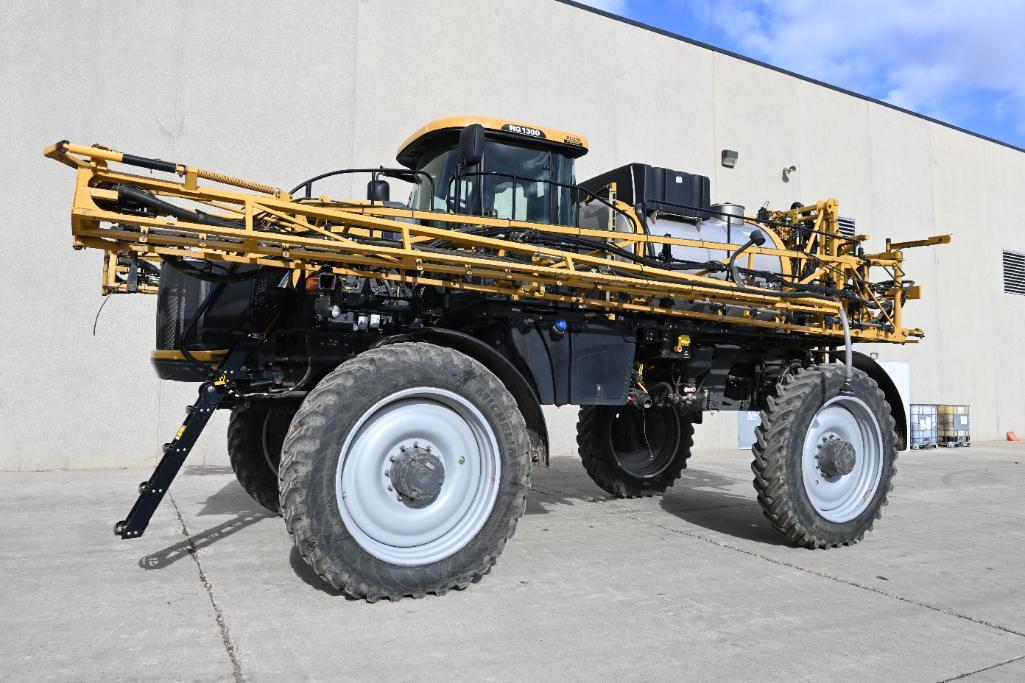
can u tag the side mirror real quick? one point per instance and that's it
(378, 191)
(471, 144)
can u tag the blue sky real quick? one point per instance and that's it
(960, 61)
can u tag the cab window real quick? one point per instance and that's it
(515, 186)
(516, 183)
(441, 165)
(527, 184)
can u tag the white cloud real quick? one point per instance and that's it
(620, 7)
(918, 54)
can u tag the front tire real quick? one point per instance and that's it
(824, 458)
(256, 432)
(405, 472)
(634, 452)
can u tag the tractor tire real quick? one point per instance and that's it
(634, 452)
(256, 432)
(824, 458)
(405, 472)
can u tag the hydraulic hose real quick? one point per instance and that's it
(150, 201)
(757, 239)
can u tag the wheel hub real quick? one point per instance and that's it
(417, 475)
(836, 457)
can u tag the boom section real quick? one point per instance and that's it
(187, 212)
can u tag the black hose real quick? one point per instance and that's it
(148, 267)
(151, 201)
(206, 273)
(756, 239)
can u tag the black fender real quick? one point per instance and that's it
(522, 391)
(870, 367)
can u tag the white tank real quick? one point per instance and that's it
(725, 226)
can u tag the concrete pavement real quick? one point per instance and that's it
(695, 585)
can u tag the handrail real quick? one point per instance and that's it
(577, 188)
(396, 173)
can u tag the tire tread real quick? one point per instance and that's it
(372, 580)
(770, 465)
(604, 471)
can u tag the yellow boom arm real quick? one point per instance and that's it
(245, 222)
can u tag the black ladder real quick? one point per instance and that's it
(211, 393)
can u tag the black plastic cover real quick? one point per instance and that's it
(588, 365)
(180, 295)
(658, 189)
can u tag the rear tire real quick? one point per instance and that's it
(405, 472)
(256, 432)
(633, 452)
(824, 460)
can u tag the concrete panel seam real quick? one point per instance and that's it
(1005, 515)
(836, 579)
(222, 624)
(984, 669)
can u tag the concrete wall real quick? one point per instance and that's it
(280, 94)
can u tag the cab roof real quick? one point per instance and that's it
(570, 144)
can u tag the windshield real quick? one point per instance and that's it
(517, 191)
(517, 184)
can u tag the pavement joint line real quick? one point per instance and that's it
(684, 508)
(222, 624)
(984, 669)
(837, 579)
(961, 507)
(554, 493)
(612, 509)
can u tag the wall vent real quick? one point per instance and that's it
(846, 225)
(1014, 272)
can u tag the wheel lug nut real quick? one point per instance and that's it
(462, 460)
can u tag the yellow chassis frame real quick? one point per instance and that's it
(281, 231)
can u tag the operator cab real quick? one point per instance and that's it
(495, 168)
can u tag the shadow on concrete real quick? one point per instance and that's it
(310, 578)
(701, 498)
(563, 483)
(202, 470)
(705, 499)
(231, 499)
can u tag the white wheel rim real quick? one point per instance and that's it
(843, 498)
(456, 433)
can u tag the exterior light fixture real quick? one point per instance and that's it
(787, 172)
(729, 158)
